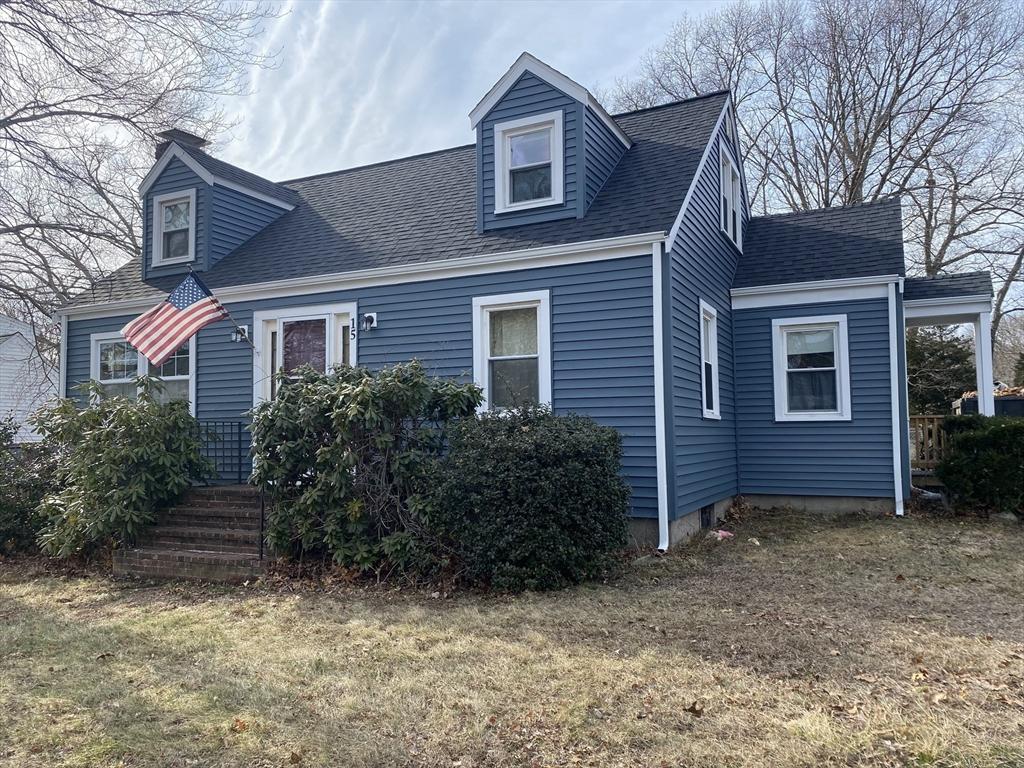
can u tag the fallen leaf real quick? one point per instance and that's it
(696, 709)
(105, 655)
(866, 678)
(900, 577)
(238, 725)
(754, 541)
(940, 697)
(295, 757)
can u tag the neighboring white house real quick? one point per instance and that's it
(26, 381)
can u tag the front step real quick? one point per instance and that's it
(213, 534)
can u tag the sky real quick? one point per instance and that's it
(360, 82)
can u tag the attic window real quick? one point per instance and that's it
(174, 227)
(731, 200)
(528, 163)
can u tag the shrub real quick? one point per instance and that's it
(984, 465)
(119, 462)
(341, 455)
(25, 477)
(529, 500)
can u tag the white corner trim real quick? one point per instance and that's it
(983, 363)
(894, 395)
(529, 63)
(174, 151)
(530, 258)
(660, 441)
(819, 291)
(62, 358)
(482, 305)
(508, 129)
(779, 378)
(707, 310)
(696, 175)
(157, 229)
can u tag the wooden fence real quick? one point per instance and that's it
(927, 442)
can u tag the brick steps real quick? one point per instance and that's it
(212, 535)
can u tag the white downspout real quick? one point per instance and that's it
(894, 391)
(661, 452)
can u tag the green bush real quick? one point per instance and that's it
(119, 462)
(341, 456)
(26, 473)
(983, 469)
(525, 499)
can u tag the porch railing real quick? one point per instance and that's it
(927, 442)
(226, 443)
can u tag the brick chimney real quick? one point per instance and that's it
(179, 137)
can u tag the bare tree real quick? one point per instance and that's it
(846, 101)
(84, 86)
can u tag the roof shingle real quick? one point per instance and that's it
(948, 286)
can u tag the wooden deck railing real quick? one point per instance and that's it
(927, 442)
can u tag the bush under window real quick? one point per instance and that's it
(119, 461)
(983, 470)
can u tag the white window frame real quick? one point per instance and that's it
(159, 201)
(780, 327)
(94, 364)
(483, 306)
(732, 191)
(503, 132)
(709, 312)
(263, 369)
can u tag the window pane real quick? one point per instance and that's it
(128, 389)
(305, 343)
(709, 387)
(514, 332)
(514, 382)
(531, 184)
(706, 340)
(531, 148)
(175, 244)
(118, 360)
(176, 364)
(811, 349)
(174, 390)
(176, 215)
(812, 391)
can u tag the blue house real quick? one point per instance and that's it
(607, 265)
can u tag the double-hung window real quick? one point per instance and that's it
(116, 366)
(811, 369)
(709, 361)
(732, 197)
(528, 167)
(512, 349)
(174, 227)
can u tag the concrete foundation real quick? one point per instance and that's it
(824, 504)
(643, 532)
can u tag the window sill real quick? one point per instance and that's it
(173, 262)
(711, 416)
(545, 203)
(825, 417)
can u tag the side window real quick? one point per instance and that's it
(811, 369)
(731, 202)
(511, 349)
(709, 361)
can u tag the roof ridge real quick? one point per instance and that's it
(863, 204)
(674, 103)
(376, 164)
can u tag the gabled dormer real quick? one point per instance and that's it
(197, 209)
(545, 147)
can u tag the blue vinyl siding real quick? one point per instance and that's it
(234, 218)
(829, 458)
(602, 150)
(177, 177)
(529, 96)
(700, 265)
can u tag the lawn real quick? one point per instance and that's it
(804, 641)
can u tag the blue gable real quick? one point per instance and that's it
(176, 177)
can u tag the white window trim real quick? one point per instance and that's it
(159, 201)
(706, 310)
(262, 370)
(143, 370)
(482, 307)
(779, 327)
(727, 164)
(502, 133)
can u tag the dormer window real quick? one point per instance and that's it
(174, 227)
(528, 167)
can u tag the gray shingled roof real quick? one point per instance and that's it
(946, 286)
(423, 208)
(238, 176)
(856, 241)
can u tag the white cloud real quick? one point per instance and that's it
(361, 82)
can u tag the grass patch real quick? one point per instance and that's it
(804, 641)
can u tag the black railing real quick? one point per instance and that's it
(226, 444)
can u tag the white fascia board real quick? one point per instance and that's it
(529, 63)
(954, 303)
(174, 151)
(532, 258)
(670, 239)
(820, 291)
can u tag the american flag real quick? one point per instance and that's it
(172, 322)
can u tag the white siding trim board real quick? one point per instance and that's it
(660, 442)
(894, 393)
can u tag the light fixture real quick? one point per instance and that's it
(369, 321)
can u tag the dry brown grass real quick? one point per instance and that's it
(847, 641)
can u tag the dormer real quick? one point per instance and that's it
(197, 209)
(545, 147)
